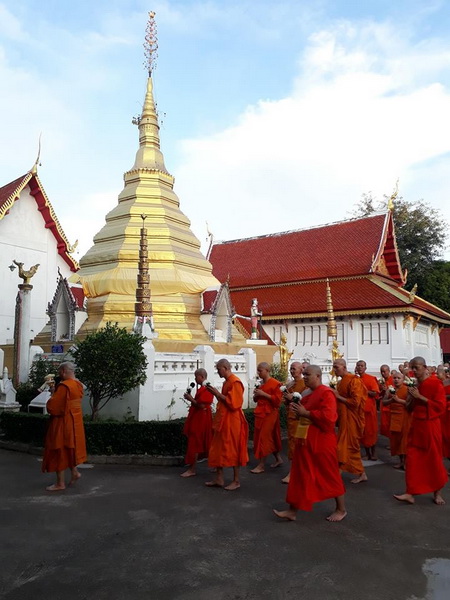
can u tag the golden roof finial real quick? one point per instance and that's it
(143, 323)
(36, 162)
(151, 44)
(394, 195)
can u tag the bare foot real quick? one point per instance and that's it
(289, 515)
(360, 479)
(214, 484)
(75, 477)
(398, 466)
(188, 473)
(234, 485)
(276, 464)
(55, 488)
(257, 470)
(405, 498)
(337, 515)
(286, 479)
(373, 458)
(438, 499)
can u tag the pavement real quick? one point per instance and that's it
(142, 532)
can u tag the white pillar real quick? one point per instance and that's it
(24, 332)
(145, 408)
(207, 359)
(250, 359)
(2, 360)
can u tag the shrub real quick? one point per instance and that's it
(40, 368)
(25, 394)
(110, 362)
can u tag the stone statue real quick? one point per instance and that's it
(26, 275)
(285, 355)
(255, 314)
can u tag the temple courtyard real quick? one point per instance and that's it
(145, 533)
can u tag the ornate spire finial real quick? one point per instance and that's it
(151, 44)
(394, 195)
(36, 162)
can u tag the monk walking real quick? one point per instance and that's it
(425, 472)
(395, 399)
(230, 429)
(198, 425)
(445, 419)
(385, 412)
(65, 444)
(267, 434)
(350, 394)
(297, 384)
(370, 435)
(315, 471)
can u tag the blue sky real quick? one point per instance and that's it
(275, 115)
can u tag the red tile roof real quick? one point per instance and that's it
(78, 294)
(10, 193)
(209, 297)
(350, 296)
(341, 249)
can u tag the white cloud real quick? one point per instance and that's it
(364, 111)
(10, 26)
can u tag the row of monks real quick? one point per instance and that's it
(414, 404)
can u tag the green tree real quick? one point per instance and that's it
(421, 237)
(434, 284)
(110, 362)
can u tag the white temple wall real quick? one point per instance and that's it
(377, 341)
(23, 237)
(169, 375)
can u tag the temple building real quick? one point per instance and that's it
(377, 319)
(31, 234)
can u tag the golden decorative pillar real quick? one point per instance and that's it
(332, 333)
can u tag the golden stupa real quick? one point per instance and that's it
(179, 273)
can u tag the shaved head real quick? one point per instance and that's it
(264, 365)
(341, 362)
(314, 369)
(223, 362)
(418, 360)
(201, 372)
(313, 376)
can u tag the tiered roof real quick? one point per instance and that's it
(287, 271)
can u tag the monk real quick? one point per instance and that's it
(267, 434)
(370, 434)
(385, 412)
(425, 471)
(315, 470)
(198, 426)
(65, 443)
(295, 385)
(442, 374)
(396, 399)
(230, 429)
(351, 395)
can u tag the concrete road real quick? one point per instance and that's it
(145, 533)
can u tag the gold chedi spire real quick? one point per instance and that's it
(179, 273)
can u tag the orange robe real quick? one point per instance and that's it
(315, 470)
(230, 428)
(370, 435)
(445, 424)
(385, 411)
(291, 420)
(351, 423)
(198, 426)
(65, 443)
(425, 471)
(267, 434)
(400, 423)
